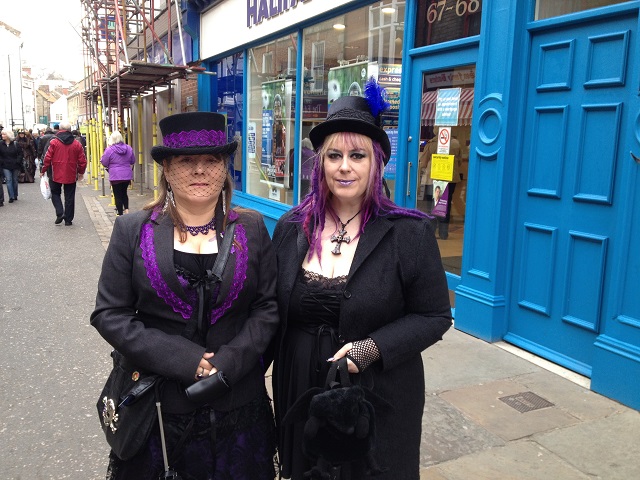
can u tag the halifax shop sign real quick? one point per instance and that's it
(259, 10)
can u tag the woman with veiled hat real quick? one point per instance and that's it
(160, 307)
(359, 277)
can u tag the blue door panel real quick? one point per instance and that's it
(571, 200)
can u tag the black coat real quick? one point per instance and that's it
(142, 308)
(10, 155)
(397, 294)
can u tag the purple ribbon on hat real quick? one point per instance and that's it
(195, 138)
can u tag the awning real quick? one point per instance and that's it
(465, 112)
(138, 78)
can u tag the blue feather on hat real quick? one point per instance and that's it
(376, 97)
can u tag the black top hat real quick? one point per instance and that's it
(352, 114)
(193, 133)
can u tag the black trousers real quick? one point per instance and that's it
(68, 210)
(120, 195)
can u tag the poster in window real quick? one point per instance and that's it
(276, 104)
(349, 80)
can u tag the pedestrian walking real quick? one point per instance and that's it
(11, 158)
(26, 142)
(43, 143)
(118, 160)
(65, 164)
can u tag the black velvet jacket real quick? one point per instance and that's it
(397, 294)
(142, 307)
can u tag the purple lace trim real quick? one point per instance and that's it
(189, 292)
(153, 272)
(195, 138)
(239, 275)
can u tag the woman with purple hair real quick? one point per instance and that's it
(361, 278)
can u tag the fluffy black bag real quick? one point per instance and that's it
(127, 407)
(340, 423)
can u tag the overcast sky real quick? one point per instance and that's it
(47, 31)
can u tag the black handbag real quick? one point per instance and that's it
(339, 423)
(126, 407)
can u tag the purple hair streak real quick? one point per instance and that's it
(311, 211)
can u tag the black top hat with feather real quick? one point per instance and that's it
(193, 133)
(358, 115)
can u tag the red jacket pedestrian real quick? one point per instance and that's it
(64, 164)
(66, 157)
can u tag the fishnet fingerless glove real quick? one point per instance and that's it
(363, 353)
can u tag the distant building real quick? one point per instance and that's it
(11, 96)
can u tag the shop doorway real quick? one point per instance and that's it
(441, 122)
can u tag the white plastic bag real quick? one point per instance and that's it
(45, 189)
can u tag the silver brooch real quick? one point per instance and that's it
(109, 415)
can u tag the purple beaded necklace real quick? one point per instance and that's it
(203, 229)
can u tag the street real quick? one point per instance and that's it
(53, 362)
(54, 365)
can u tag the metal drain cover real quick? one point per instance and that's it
(526, 402)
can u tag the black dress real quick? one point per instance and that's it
(311, 338)
(241, 444)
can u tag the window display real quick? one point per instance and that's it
(230, 102)
(340, 55)
(271, 119)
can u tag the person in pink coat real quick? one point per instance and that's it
(65, 165)
(118, 159)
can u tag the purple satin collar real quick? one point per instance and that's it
(195, 138)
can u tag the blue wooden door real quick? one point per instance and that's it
(577, 191)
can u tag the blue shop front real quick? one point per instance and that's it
(535, 104)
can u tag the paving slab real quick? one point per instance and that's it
(448, 434)
(524, 460)
(482, 404)
(604, 448)
(461, 360)
(574, 399)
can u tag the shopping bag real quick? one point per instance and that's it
(45, 189)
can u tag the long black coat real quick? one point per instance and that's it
(142, 308)
(397, 294)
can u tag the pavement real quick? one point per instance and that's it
(492, 411)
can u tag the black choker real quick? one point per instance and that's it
(341, 236)
(203, 229)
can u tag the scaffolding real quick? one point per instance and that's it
(129, 53)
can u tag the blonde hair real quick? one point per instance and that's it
(115, 137)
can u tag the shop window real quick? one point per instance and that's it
(230, 102)
(554, 8)
(440, 21)
(340, 55)
(270, 119)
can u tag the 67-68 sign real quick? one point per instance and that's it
(461, 8)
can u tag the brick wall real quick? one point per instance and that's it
(189, 88)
